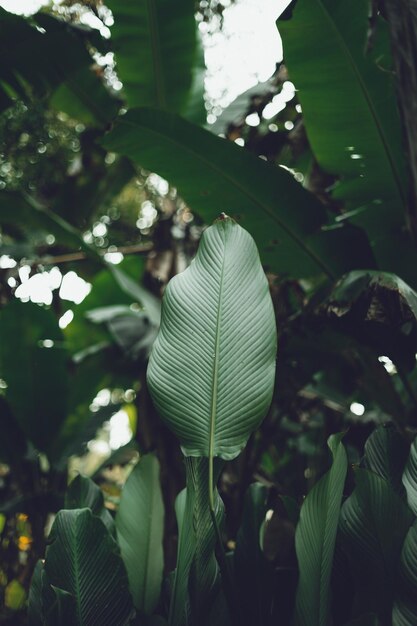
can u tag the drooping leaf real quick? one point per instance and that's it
(84, 493)
(356, 134)
(386, 453)
(405, 604)
(111, 287)
(254, 574)
(213, 174)
(140, 526)
(156, 48)
(131, 330)
(83, 560)
(212, 367)
(33, 362)
(315, 539)
(373, 524)
(410, 477)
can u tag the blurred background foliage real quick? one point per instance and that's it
(95, 223)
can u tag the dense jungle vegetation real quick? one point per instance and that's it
(244, 454)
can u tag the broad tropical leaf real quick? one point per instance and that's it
(83, 560)
(405, 605)
(212, 173)
(315, 539)
(373, 524)
(212, 367)
(140, 527)
(349, 109)
(84, 493)
(410, 477)
(156, 48)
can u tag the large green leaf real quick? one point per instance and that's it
(212, 367)
(315, 539)
(156, 48)
(140, 527)
(410, 477)
(213, 174)
(373, 524)
(33, 362)
(349, 109)
(83, 560)
(405, 605)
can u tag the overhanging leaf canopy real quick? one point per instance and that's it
(349, 109)
(285, 220)
(212, 367)
(156, 48)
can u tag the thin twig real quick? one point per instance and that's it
(142, 248)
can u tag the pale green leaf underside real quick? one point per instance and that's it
(212, 367)
(315, 540)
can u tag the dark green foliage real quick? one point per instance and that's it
(284, 534)
(80, 547)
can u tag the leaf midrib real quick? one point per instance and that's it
(350, 61)
(222, 174)
(216, 362)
